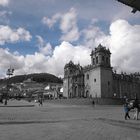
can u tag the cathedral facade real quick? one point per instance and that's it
(98, 80)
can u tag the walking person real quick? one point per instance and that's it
(5, 102)
(126, 109)
(136, 109)
(40, 101)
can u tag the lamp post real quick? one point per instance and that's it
(9, 73)
(114, 95)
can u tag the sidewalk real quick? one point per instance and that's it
(17, 103)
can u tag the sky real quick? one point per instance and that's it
(43, 35)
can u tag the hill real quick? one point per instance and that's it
(37, 77)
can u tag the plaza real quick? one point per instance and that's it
(28, 121)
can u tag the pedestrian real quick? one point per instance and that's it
(40, 101)
(93, 102)
(136, 109)
(1, 99)
(5, 102)
(126, 109)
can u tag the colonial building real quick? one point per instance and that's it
(98, 80)
(73, 80)
(53, 91)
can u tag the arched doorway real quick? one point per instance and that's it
(76, 91)
(70, 95)
(87, 94)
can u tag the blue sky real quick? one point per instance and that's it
(43, 35)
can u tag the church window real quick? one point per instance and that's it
(107, 60)
(70, 71)
(66, 72)
(87, 76)
(103, 58)
(122, 76)
(93, 61)
(97, 60)
(108, 83)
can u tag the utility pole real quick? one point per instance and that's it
(9, 73)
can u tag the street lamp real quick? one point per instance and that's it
(114, 95)
(9, 73)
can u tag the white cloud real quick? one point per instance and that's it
(40, 41)
(92, 36)
(22, 64)
(47, 49)
(66, 52)
(4, 16)
(68, 24)
(34, 63)
(51, 21)
(4, 13)
(44, 48)
(62, 54)
(4, 2)
(125, 45)
(72, 35)
(68, 20)
(24, 34)
(123, 41)
(8, 59)
(39, 62)
(9, 35)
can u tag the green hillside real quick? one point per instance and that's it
(37, 77)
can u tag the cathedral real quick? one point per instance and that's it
(98, 80)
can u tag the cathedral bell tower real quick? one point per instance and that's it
(100, 57)
(101, 72)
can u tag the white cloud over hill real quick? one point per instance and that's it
(123, 40)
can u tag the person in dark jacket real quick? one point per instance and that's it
(126, 109)
(40, 101)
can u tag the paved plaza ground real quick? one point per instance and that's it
(22, 120)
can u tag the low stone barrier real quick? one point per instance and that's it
(87, 101)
